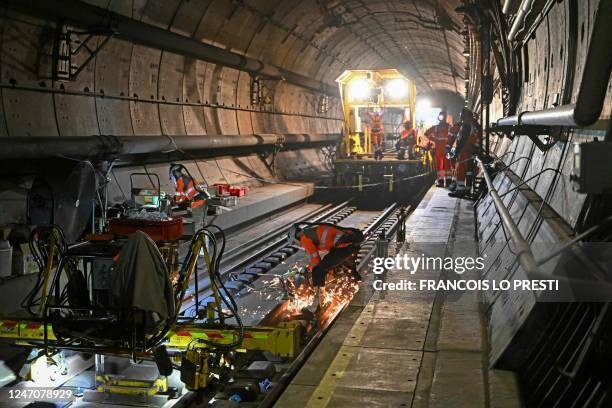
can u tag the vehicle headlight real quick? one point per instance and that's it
(396, 88)
(359, 89)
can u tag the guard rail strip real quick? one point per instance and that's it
(523, 249)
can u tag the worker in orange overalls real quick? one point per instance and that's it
(376, 131)
(407, 141)
(340, 243)
(187, 190)
(464, 148)
(439, 136)
(453, 133)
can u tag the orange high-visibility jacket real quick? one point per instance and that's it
(439, 135)
(466, 140)
(187, 192)
(409, 135)
(376, 127)
(322, 238)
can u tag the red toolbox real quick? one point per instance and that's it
(164, 230)
(238, 191)
(222, 189)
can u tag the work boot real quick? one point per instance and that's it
(460, 193)
(453, 186)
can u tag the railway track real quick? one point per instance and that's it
(266, 253)
(387, 221)
(381, 226)
(258, 256)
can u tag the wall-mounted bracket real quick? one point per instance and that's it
(323, 103)
(255, 89)
(551, 134)
(68, 45)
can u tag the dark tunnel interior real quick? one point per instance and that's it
(306, 203)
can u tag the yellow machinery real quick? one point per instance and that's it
(202, 348)
(371, 98)
(182, 343)
(364, 91)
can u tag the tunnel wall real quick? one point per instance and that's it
(251, 171)
(130, 89)
(546, 209)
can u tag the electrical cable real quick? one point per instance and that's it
(330, 187)
(206, 234)
(119, 185)
(176, 148)
(228, 299)
(40, 255)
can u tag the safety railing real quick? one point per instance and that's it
(523, 249)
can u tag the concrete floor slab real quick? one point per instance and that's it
(313, 372)
(389, 309)
(370, 369)
(503, 386)
(458, 380)
(296, 395)
(401, 334)
(410, 348)
(346, 397)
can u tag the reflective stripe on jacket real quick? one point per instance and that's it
(323, 238)
(439, 134)
(186, 191)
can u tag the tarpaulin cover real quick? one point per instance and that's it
(141, 280)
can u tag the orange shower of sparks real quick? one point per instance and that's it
(303, 296)
(338, 291)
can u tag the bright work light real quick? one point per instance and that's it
(396, 88)
(423, 104)
(359, 89)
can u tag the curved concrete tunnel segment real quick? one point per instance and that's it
(107, 22)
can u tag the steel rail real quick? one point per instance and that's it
(240, 250)
(276, 243)
(280, 386)
(277, 239)
(389, 224)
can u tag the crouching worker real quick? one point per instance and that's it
(340, 243)
(406, 142)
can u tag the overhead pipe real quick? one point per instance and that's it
(87, 16)
(508, 121)
(18, 148)
(593, 87)
(519, 21)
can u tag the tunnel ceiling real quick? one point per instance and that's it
(421, 38)
(153, 87)
(320, 38)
